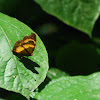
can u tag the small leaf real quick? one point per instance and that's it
(14, 76)
(80, 14)
(73, 88)
(54, 73)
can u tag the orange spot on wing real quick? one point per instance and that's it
(19, 49)
(25, 46)
(28, 45)
(27, 40)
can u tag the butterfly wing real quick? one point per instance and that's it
(26, 46)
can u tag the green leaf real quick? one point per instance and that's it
(80, 14)
(55, 73)
(73, 88)
(14, 76)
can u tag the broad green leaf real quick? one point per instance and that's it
(73, 88)
(14, 76)
(54, 73)
(81, 14)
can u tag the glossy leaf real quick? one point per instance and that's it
(73, 88)
(55, 73)
(20, 75)
(80, 14)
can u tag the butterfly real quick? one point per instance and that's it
(26, 46)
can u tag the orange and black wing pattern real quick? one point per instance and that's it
(26, 46)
